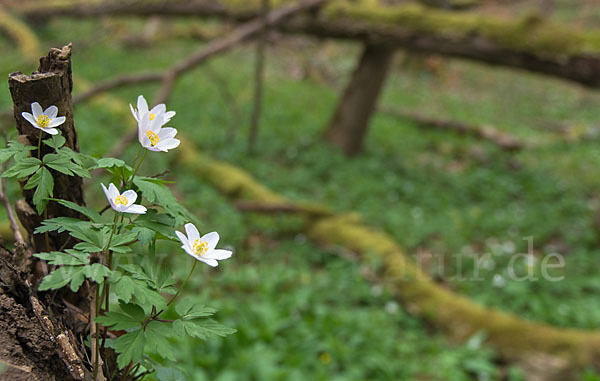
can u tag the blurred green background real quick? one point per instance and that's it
(308, 312)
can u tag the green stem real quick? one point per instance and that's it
(183, 284)
(40, 146)
(136, 168)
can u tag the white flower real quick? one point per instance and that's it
(123, 203)
(202, 248)
(159, 110)
(154, 137)
(44, 120)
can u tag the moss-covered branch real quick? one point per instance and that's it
(528, 43)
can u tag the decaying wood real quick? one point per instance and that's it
(350, 121)
(14, 226)
(489, 133)
(50, 85)
(31, 337)
(528, 43)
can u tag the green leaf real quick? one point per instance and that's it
(119, 242)
(44, 190)
(56, 141)
(97, 272)
(201, 328)
(169, 374)
(124, 288)
(69, 257)
(73, 275)
(131, 316)
(14, 148)
(63, 163)
(130, 347)
(61, 224)
(23, 167)
(156, 339)
(189, 310)
(156, 192)
(89, 213)
(116, 167)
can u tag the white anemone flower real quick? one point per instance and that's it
(122, 203)
(158, 111)
(154, 137)
(44, 120)
(202, 248)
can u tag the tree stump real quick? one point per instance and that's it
(350, 121)
(50, 85)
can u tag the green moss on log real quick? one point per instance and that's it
(529, 33)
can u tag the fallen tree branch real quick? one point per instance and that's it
(240, 34)
(283, 207)
(14, 226)
(488, 133)
(528, 43)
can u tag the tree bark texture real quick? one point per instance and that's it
(50, 85)
(350, 121)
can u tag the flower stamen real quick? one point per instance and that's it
(43, 121)
(152, 116)
(200, 247)
(121, 200)
(154, 139)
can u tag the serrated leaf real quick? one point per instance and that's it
(61, 224)
(130, 347)
(156, 192)
(201, 328)
(120, 240)
(97, 272)
(89, 213)
(62, 276)
(23, 167)
(63, 163)
(156, 339)
(56, 141)
(69, 257)
(15, 148)
(188, 309)
(124, 288)
(44, 190)
(130, 316)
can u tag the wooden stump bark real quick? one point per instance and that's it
(350, 121)
(36, 330)
(50, 85)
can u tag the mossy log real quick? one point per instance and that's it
(515, 338)
(528, 42)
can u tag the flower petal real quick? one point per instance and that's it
(142, 105)
(192, 232)
(57, 121)
(51, 131)
(218, 254)
(107, 193)
(168, 115)
(51, 112)
(181, 237)
(211, 240)
(113, 192)
(135, 209)
(159, 109)
(167, 133)
(28, 117)
(133, 112)
(210, 262)
(36, 109)
(167, 144)
(130, 195)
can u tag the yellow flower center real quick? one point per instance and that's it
(153, 137)
(152, 116)
(43, 121)
(200, 247)
(121, 200)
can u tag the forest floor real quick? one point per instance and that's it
(307, 312)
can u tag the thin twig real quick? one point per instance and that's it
(9, 210)
(258, 80)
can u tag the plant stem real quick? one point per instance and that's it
(137, 167)
(183, 284)
(40, 146)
